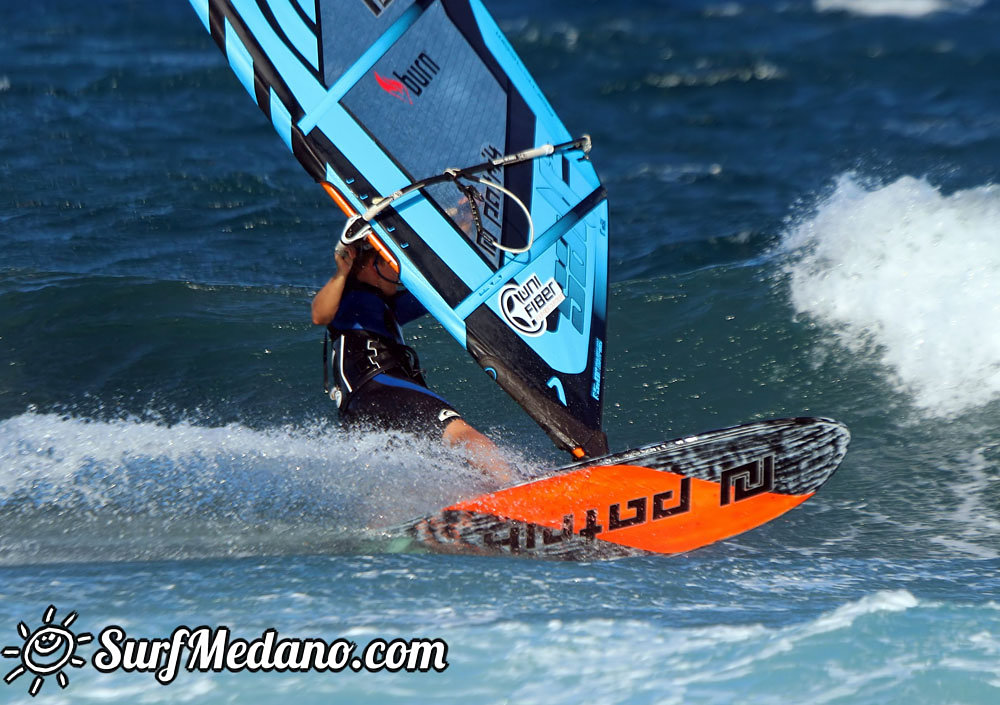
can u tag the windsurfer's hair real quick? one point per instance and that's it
(365, 257)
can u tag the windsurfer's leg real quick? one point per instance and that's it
(480, 450)
(405, 406)
(402, 405)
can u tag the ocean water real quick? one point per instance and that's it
(805, 197)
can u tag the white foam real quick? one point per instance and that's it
(50, 449)
(910, 275)
(729, 9)
(713, 76)
(895, 8)
(561, 34)
(689, 659)
(973, 527)
(785, 640)
(110, 477)
(845, 615)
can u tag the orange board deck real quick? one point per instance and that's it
(666, 498)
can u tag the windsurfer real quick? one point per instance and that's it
(377, 377)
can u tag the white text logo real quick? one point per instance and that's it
(526, 306)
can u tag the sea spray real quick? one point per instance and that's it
(127, 489)
(910, 275)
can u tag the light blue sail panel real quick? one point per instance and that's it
(201, 7)
(309, 8)
(372, 95)
(296, 30)
(240, 60)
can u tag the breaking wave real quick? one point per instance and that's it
(910, 275)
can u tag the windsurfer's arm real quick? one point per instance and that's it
(326, 303)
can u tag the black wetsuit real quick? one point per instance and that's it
(377, 377)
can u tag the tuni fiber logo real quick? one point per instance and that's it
(527, 306)
(52, 648)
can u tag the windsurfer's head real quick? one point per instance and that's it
(363, 259)
(370, 268)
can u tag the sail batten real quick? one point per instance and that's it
(371, 95)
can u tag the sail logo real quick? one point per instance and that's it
(412, 82)
(527, 306)
(395, 88)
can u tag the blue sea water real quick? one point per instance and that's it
(804, 221)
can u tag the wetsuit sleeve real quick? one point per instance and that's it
(407, 308)
(348, 314)
(362, 310)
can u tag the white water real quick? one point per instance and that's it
(706, 664)
(79, 488)
(911, 275)
(895, 8)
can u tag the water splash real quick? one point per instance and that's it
(910, 275)
(80, 489)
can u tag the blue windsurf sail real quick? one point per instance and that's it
(375, 96)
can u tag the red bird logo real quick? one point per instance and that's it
(394, 88)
